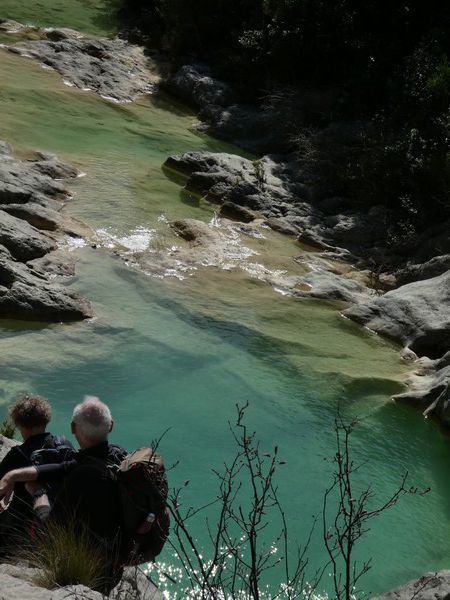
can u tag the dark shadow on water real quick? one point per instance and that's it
(106, 16)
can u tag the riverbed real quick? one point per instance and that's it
(178, 349)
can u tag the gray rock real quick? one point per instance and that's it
(62, 33)
(195, 231)
(24, 241)
(282, 225)
(113, 68)
(17, 582)
(28, 295)
(429, 390)
(28, 191)
(230, 210)
(51, 166)
(195, 85)
(415, 315)
(431, 268)
(245, 125)
(326, 285)
(36, 215)
(432, 586)
(5, 446)
(221, 177)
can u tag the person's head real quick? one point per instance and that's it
(30, 414)
(91, 422)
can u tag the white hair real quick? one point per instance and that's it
(92, 418)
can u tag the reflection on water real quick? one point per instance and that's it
(165, 353)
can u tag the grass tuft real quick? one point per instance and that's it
(66, 555)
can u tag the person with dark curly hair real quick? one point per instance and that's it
(30, 414)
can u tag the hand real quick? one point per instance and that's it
(6, 492)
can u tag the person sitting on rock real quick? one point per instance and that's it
(30, 415)
(87, 492)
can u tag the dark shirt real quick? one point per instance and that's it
(18, 457)
(88, 490)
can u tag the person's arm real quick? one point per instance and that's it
(9, 479)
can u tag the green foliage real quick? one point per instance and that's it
(361, 92)
(8, 429)
(438, 84)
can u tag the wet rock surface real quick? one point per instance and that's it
(30, 229)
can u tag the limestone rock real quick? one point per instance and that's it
(415, 315)
(29, 195)
(35, 214)
(113, 68)
(23, 240)
(5, 446)
(17, 582)
(432, 586)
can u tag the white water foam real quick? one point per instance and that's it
(137, 240)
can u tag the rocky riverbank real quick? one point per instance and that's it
(32, 228)
(112, 68)
(409, 303)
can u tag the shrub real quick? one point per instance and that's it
(7, 429)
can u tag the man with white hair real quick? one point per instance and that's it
(87, 490)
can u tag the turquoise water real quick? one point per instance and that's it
(179, 354)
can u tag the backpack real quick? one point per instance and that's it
(143, 490)
(56, 449)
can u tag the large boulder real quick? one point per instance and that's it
(27, 295)
(416, 315)
(30, 199)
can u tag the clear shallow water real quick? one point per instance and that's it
(165, 353)
(96, 17)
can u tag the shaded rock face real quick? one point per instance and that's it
(432, 586)
(244, 125)
(114, 68)
(29, 198)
